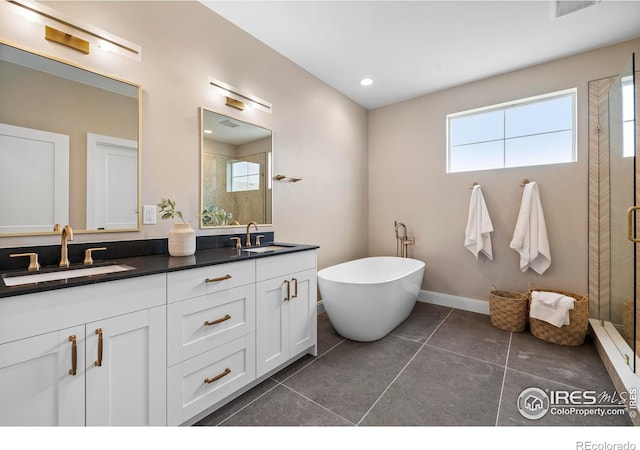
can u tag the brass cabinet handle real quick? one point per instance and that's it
(295, 287)
(74, 355)
(288, 297)
(630, 212)
(100, 343)
(213, 280)
(222, 319)
(226, 372)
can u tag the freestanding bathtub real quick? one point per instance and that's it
(367, 298)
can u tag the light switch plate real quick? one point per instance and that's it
(149, 215)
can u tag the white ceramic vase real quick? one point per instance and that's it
(182, 240)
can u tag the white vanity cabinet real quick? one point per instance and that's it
(286, 308)
(210, 336)
(162, 349)
(36, 387)
(51, 372)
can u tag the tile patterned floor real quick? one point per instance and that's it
(441, 366)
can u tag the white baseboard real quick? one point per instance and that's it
(453, 301)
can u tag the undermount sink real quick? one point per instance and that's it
(65, 274)
(266, 248)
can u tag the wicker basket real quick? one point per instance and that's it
(508, 310)
(572, 334)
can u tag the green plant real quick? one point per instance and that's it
(168, 209)
(215, 216)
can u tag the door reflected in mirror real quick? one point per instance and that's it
(69, 150)
(235, 172)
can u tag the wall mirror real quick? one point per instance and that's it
(235, 172)
(69, 147)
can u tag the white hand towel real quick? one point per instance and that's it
(530, 238)
(479, 226)
(551, 307)
(548, 298)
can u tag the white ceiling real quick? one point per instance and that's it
(411, 48)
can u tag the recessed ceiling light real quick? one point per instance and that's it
(208, 131)
(366, 82)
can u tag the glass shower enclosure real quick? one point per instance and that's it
(614, 233)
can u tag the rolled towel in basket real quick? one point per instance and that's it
(551, 307)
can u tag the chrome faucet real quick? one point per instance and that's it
(67, 234)
(248, 241)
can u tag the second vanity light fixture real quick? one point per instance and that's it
(237, 99)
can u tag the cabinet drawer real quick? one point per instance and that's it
(202, 381)
(275, 266)
(203, 323)
(205, 280)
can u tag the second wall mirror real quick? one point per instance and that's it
(235, 172)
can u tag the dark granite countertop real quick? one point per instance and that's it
(144, 265)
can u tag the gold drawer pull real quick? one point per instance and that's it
(213, 280)
(295, 287)
(74, 355)
(222, 319)
(99, 361)
(226, 372)
(288, 297)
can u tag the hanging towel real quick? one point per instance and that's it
(530, 236)
(551, 307)
(479, 226)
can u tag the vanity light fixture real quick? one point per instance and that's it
(234, 103)
(67, 31)
(236, 99)
(53, 35)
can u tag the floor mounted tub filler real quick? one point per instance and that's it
(367, 298)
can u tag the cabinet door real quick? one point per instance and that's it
(36, 388)
(127, 386)
(302, 311)
(272, 325)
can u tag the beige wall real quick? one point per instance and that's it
(319, 134)
(408, 182)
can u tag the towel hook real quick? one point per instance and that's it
(525, 182)
(473, 185)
